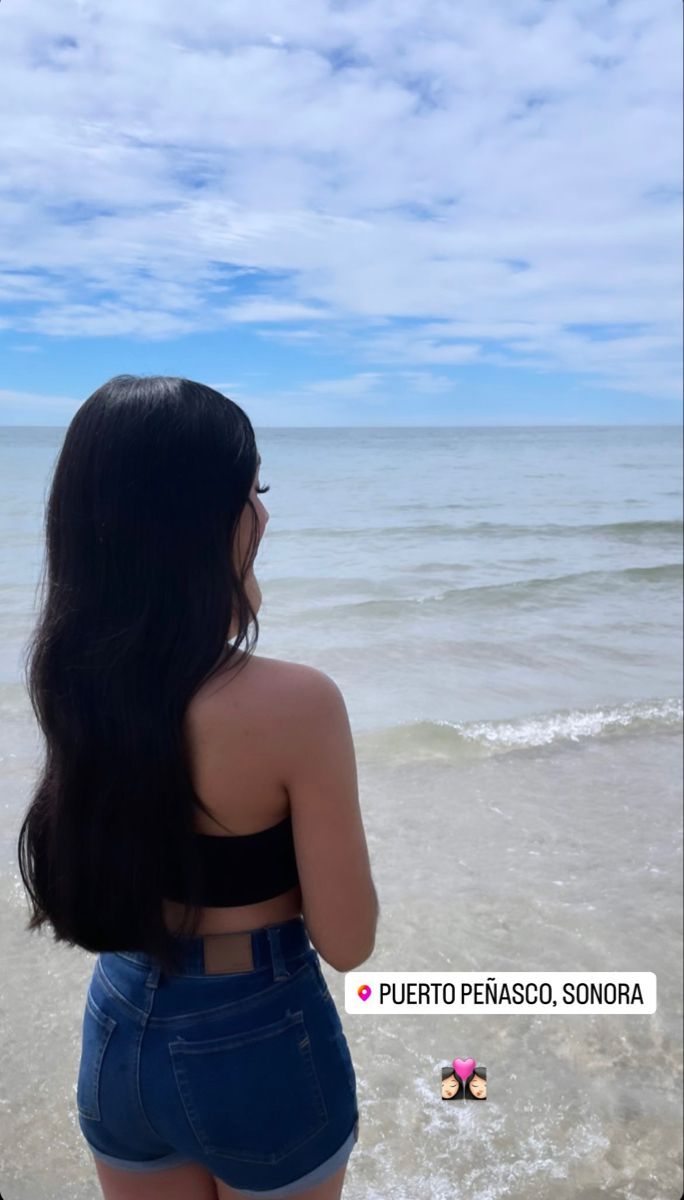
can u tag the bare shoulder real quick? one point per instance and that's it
(301, 699)
(295, 673)
(273, 679)
(296, 699)
(299, 713)
(272, 691)
(303, 719)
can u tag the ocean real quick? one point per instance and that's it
(502, 609)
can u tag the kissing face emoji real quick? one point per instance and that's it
(450, 1087)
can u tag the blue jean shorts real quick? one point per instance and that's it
(246, 1073)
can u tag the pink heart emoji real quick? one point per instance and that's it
(463, 1067)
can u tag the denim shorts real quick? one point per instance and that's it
(246, 1073)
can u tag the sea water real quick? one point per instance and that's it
(502, 609)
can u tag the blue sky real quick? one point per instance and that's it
(340, 213)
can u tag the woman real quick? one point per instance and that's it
(452, 1088)
(196, 823)
(477, 1085)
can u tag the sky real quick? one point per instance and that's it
(385, 212)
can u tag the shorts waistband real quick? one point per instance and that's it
(225, 953)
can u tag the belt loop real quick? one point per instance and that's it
(279, 966)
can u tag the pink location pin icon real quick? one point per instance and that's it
(463, 1067)
(364, 991)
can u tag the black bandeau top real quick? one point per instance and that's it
(242, 868)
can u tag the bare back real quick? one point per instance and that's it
(237, 753)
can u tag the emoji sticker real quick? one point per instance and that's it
(464, 1079)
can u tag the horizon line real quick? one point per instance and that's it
(490, 425)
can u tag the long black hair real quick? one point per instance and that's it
(139, 595)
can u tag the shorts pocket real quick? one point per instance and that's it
(253, 1096)
(98, 1028)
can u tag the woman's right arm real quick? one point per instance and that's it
(339, 900)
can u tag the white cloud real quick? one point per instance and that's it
(493, 174)
(351, 386)
(370, 383)
(273, 311)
